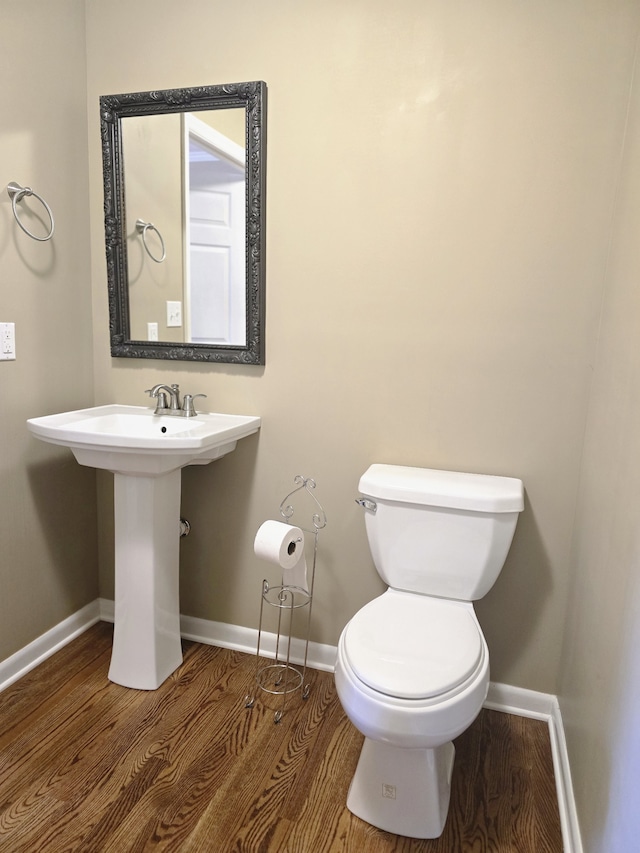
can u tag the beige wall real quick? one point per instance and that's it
(440, 185)
(600, 683)
(48, 558)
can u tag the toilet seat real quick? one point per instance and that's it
(412, 646)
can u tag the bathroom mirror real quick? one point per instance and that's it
(184, 196)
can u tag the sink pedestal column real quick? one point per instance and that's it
(146, 639)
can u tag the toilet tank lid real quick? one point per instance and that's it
(452, 489)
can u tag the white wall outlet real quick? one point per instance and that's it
(152, 331)
(7, 341)
(174, 313)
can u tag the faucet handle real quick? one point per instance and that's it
(187, 404)
(175, 397)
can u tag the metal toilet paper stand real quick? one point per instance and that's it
(282, 677)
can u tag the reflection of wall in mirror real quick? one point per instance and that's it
(153, 193)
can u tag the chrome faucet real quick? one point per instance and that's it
(168, 401)
(161, 392)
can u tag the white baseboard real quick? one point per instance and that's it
(564, 784)
(517, 700)
(27, 658)
(501, 697)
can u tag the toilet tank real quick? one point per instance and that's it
(440, 533)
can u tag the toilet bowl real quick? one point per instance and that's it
(412, 669)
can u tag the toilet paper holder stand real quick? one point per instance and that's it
(286, 671)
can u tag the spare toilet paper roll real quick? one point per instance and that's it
(283, 544)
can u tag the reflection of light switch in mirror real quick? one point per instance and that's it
(152, 331)
(174, 313)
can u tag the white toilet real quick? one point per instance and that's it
(412, 670)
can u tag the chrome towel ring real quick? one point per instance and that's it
(142, 228)
(16, 194)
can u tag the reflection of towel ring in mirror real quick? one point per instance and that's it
(16, 194)
(143, 227)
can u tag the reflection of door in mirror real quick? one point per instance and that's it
(215, 216)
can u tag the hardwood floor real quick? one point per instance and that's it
(86, 765)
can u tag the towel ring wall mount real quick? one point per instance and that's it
(142, 228)
(16, 194)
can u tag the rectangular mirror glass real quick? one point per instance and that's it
(184, 190)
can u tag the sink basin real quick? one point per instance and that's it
(133, 440)
(145, 452)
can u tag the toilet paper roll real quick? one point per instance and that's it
(279, 543)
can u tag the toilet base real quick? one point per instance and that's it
(404, 791)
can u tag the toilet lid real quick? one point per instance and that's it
(411, 646)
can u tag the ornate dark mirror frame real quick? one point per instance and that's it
(250, 96)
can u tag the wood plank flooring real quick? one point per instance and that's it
(86, 765)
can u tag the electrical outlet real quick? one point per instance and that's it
(152, 331)
(174, 313)
(7, 341)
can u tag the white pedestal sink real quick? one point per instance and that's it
(145, 452)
